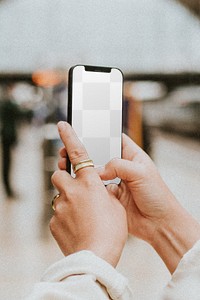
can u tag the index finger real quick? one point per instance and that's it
(75, 149)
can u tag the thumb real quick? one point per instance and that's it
(113, 189)
(117, 167)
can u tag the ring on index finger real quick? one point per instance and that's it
(83, 164)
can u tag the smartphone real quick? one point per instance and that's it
(95, 112)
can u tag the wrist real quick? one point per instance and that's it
(175, 236)
(110, 255)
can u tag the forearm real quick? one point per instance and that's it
(176, 236)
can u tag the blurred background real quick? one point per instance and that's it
(157, 46)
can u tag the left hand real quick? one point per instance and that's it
(87, 216)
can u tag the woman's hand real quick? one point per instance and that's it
(153, 213)
(142, 192)
(87, 215)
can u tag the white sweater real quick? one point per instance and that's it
(84, 276)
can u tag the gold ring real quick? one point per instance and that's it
(52, 202)
(83, 164)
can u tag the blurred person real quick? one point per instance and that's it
(10, 115)
(91, 223)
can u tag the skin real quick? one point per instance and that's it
(153, 213)
(87, 216)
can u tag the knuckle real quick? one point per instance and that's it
(55, 176)
(60, 206)
(62, 151)
(52, 225)
(62, 163)
(88, 182)
(115, 161)
(78, 154)
(91, 183)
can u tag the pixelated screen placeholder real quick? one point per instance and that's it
(97, 112)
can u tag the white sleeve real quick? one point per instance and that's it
(81, 276)
(185, 282)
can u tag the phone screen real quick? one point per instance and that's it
(96, 110)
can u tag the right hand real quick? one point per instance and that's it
(146, 198)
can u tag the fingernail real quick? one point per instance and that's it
(61, 125)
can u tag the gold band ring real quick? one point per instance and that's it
(83, 164)
(52, 202)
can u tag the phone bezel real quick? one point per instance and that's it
(70, 91)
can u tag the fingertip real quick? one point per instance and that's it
(63, 152)
(126, 139)
(103, 172)
(112, 189)
(62, 163)
(100, 170)
(61, 125)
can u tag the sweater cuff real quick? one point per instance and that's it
(190, 260)
(86, 262)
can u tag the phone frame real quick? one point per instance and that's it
(70, 92)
